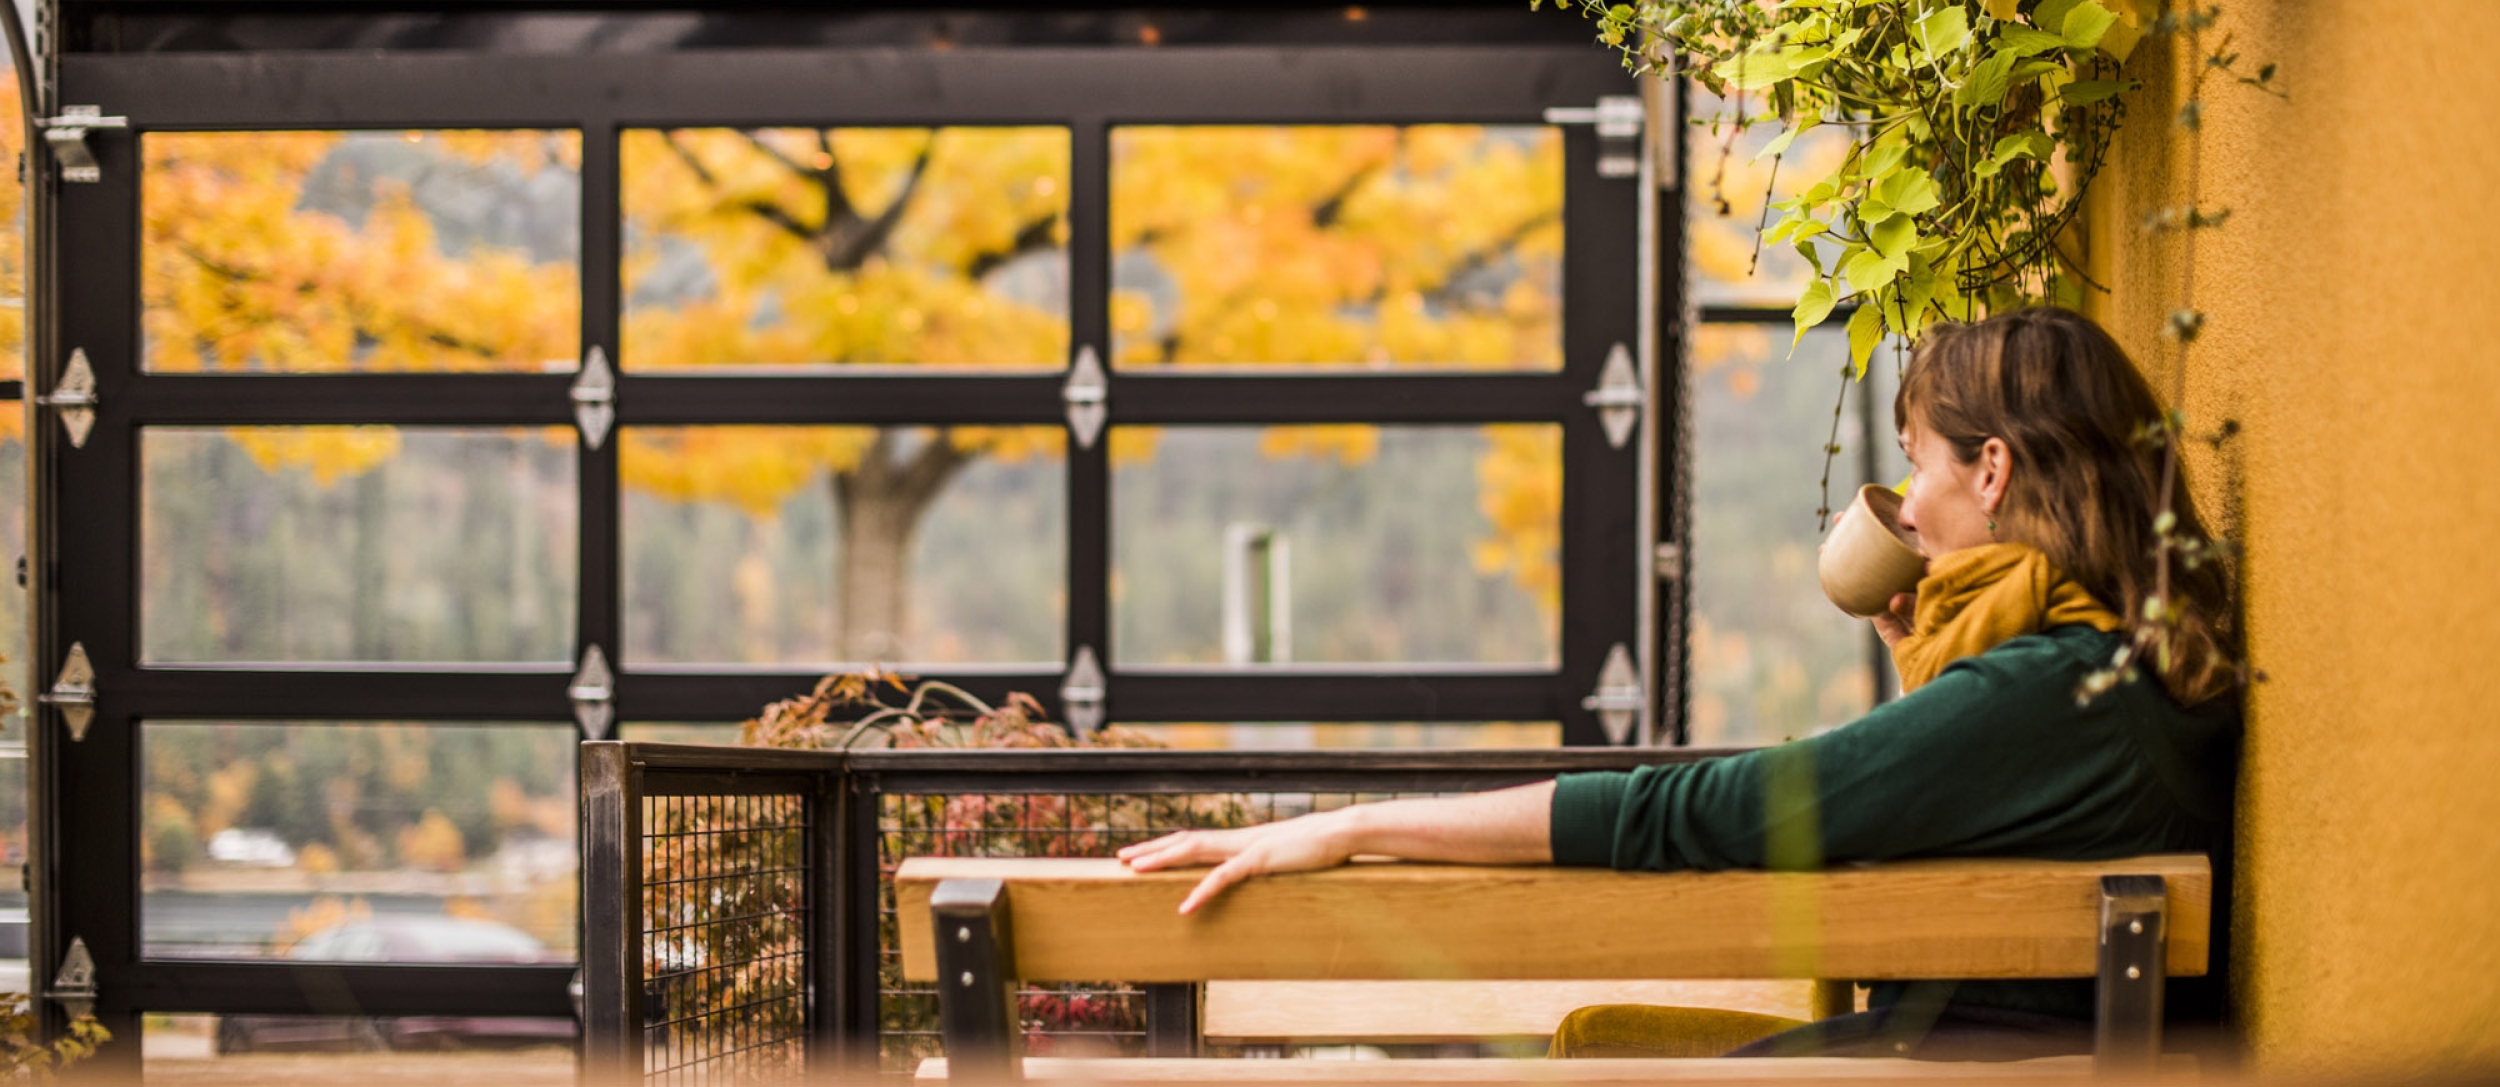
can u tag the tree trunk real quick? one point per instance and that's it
(878, 506)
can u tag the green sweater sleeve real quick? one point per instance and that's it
(1992, 757)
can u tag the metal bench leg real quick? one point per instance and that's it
(1172, 1020)
(976, 997)
(2134, 946)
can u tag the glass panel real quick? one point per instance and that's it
(1371, 246)
(818, 247)
(318, 252)
(1362, 734)
(1725, 184)
(320, 842)
(357, 544)
(12, 241)
(808, 545)
(1772, 659)
(231, 1049)
(1336, 544)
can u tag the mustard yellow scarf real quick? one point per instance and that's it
(1977, 597)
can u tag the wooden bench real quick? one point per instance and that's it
(978, 927)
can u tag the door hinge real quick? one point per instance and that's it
(1619, 119)
(74, 988)
(594, 397)
(67, 135)
(1618, 698)
(593, 692)
(1082, 693)
(74, 397)
(73, 692)
(1088, 394)
(1617, 397)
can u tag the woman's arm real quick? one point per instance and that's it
(1509, 826)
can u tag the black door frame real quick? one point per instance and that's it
(87, 824)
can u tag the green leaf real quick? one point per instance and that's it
(1812, 307)
(1987, 83)
(2084, 92)
(1942, 30)
(1812, 258)
(1909, 191)
(1866, 270)
(2023, 41)
(1882, 160)
(2086, 25)
(1780, 142)
(1866, 329)
(1753, 71)
(1894, 236)
(2050, 15)
(2002, 11)
(2036, 145)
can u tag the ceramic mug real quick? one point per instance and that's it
(1869, 558)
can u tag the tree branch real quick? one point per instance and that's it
(849, 246)
(1033, 237)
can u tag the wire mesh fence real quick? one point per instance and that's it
(739, 906)
(724, 921)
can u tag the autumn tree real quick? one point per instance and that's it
(1366, 246)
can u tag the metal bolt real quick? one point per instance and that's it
(963, 935)
(968, 978)
(2132, 974)
(2136, 927)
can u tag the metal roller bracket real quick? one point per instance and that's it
(1618, 699)
(594, 397)
(74, 397)
(594, 694)
(73, 692)
(1619, 119)
(74, 988)
(1082, 693)
(67, 135)
(1088, 395)
(1617, 397)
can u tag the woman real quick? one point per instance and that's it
(2033, 496)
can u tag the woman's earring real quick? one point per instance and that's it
(1992, 528)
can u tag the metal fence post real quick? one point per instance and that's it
(2134, 946)
(612, 922)
(976, 994)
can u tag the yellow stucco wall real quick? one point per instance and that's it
(2354, 332)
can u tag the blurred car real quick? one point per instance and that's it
(410, 939)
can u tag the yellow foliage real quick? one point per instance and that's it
(317, 859)
(1519, 491)
(1346, 245)
(229, 790)
(433, 844)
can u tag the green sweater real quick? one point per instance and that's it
(1992, 758)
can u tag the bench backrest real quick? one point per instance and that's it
(1077, 920)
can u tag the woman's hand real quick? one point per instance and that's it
(1318, 840)
(1895, 624)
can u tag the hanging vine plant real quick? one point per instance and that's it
(1974, 129)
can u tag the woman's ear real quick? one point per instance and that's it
(1996, 469)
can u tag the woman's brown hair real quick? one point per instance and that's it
(2085, 486)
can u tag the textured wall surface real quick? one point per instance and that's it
(2354, 333)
